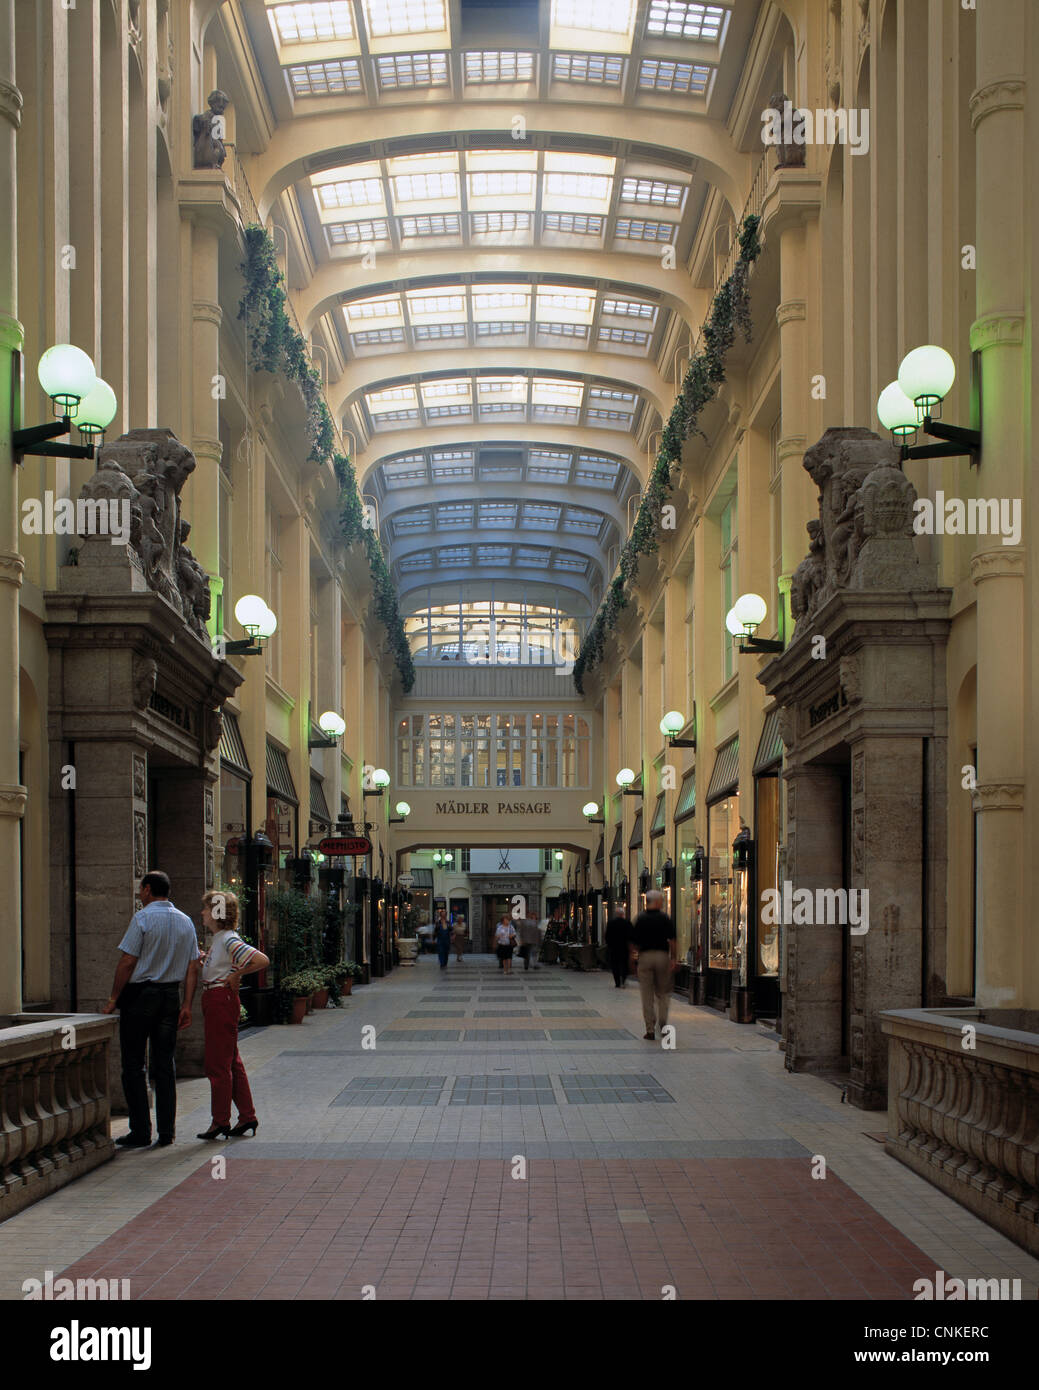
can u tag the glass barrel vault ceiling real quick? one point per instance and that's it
(501, 419)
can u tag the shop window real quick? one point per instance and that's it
(723, 827)
(766, 790)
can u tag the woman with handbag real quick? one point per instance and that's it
(505, 943)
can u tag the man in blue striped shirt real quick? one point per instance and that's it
(159, 950)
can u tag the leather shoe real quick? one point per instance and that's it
(163, 1141)
(131, 1141)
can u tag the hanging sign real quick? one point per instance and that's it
(346, 844)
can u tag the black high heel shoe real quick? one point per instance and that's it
(244, 1127)
(214, 1132)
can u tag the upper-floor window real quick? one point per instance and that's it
(493, 750)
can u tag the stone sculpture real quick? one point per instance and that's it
(789, 154)
(148, 468)
(207, 130)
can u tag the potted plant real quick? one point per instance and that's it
(345, 973)
(319, 978)
(300, 987)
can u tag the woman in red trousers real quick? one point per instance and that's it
(228, 960)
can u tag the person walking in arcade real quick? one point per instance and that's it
(442, 938)
(228, 960)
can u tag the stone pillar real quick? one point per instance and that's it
(202, 494)
(12, 565)
(1004, 154)
(183, 818)
(814, 860)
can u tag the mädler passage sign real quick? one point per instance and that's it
(346, 844)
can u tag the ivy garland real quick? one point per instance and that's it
(730, 310)
(275, 345)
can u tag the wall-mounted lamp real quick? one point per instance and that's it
(259, 622)
(673, 723)
(380, 781)
(744, 618)
(588, 810)
(626, 781)
(925, 378)
(559, 856)
(333, 726)
(403, 812)
(80, 397)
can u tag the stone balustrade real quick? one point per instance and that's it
(54, 1103)
(963, 1109)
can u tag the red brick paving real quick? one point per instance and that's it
(439, 1228)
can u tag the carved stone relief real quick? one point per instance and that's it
(140, 785)
(140, 845)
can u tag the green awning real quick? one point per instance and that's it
(770, 745)
(636, 833)
(726, 775)
(657, 828)
(232, 746)
(686, 806)
(279, 778)
(618, 841)
(318, 805)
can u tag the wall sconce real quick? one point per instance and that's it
(744, 618)
(625, 780)
(559, 856)
(588, 810)
(332, 726)
(673, 723)
(699, 864)
(403, 812)
(259, 622)
(742, 849)
(380, 781)
(667, 874)
(925, 378)
(80, 397)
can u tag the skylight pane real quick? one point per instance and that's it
(685, 21)
(501, 183)
(422, 188)
(498, 329)
(629, 308)
(434, 332)
(574, 223)
(594, 16)
(658, 192)
(639, 229)
(313, 23)
(361, 313)
(406, 71)
(495, 222)
(325, 79)
(663, 75)
(390, 17)
(350, 193)
(596, 69)
(452, 386)
(355, 233)
(630, 337)
(498, 66)
(377, 337)
(431, 224)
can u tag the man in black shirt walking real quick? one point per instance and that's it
(652, 936)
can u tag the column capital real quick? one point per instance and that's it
(1008, 562)
(12, 334)
(206, 311)
(1005, 94)
(10, 102)
(999, 796)
(12, 801)
(203, 447)
(790, 311)
(1000, 329)
(12, 567)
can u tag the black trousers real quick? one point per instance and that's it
(148, 1017)
(619, 965)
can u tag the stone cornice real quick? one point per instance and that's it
(999, 796)
(1008, 562)
(790, 311)
(997, 330)
(12, 801)
(1006, 94)
(10, 103)
(12, 567)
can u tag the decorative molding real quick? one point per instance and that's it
(1008, 562)
(790, 311)
(12, 801)
(999, 796)
(793, 444)
(206, 311)
(12, 567)
(997, 330)
(203, 447)
(1006, 94)
(10, 103)
(12, 334)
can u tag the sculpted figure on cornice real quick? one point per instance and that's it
(863, 537)
(207, 130)
(146, 469)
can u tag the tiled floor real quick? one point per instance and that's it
(533, 1147)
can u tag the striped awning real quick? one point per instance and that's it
(279, 778)
(726, 775)
(318, 805)
(636, 832)
(770, 745)
(601, 851)
(232, 746)
(686, 806)
(421, 878)
(618, 842)
(657, 828)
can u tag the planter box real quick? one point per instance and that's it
(963, 1109)
(299, 1009)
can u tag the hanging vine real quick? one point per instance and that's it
(276, 346)
(730, 311)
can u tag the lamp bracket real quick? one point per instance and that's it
(244, 647)
(682, 743)
(322, 743)
(959, 442)
(761, 644)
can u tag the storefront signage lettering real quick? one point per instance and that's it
(482, 808)
(826, 708)
(176, 714)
